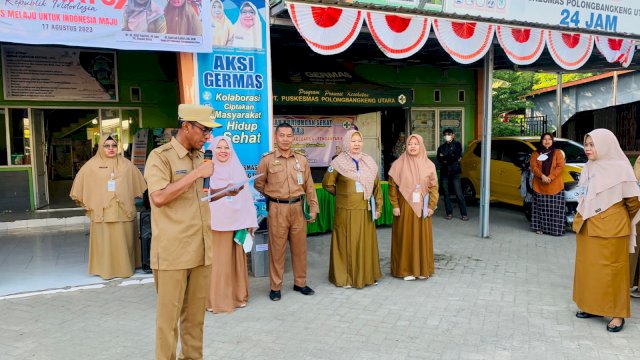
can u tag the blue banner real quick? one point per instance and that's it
(233, 78)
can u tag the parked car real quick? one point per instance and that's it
(509, 155)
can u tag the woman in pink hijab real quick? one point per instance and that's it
(229, 287)
(353, 179)
(412, 182)
(605, 230)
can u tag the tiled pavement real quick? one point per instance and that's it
(507, 297)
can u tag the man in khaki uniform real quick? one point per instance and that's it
(287, 177)
(181, 250)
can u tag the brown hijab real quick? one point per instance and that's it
(90, 185)
(411, 170)
(345, 164)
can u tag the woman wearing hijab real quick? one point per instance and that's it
(222, 28)
(604, 227)
(182, 18)
(144, 16)
(353, 178)
(634, 264)
(247, 31)
(411, 179)
(229, 287)
(105, 187)
(547, 163)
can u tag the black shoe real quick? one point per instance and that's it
(304, 290)
(615, 328)
(586, 315)
(275, 295)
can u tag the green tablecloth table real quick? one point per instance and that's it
(326, 201)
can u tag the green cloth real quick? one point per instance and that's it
(326, 201)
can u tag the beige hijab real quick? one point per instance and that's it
(344, 164)
(411, 170)
(90, 185)
(609, 178)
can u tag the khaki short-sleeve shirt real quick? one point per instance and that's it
(280, 180)
(181, 230)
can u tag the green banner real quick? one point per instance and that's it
(354, 94)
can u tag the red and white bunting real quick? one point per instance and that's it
(569, 50)
(466, 41)
(616, 49)
(327, 30)
(398, 36)
(523, 46)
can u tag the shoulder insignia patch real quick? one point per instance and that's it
(300, 152)
(330, 169)
(267, 153)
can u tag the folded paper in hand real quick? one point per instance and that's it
(234, 186)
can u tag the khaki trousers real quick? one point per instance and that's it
(182, 296)
(286, 223)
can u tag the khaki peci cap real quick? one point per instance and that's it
(198, 113)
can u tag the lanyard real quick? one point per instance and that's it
(357, 165)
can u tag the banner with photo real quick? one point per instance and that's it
(233, 77)
(170, 25)
(318, 137)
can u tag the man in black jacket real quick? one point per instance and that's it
(449, 155)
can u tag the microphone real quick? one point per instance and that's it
(208, 156)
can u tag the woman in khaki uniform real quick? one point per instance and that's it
(634, 264)
(229, 287)
(411, 178)
(106, 187)
(603, 225)
(353, 179)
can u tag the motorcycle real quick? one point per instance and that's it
(527, 193)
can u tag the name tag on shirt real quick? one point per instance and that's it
(359, 187)
(300, 180)
(415, 197)
(542, 157)
(111, 185)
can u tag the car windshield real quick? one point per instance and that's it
(573, 151)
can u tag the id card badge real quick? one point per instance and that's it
(415, 198)
(359, 187)
(111, 185)
(542, 157)
(228, 198)
(300, 180)
(580, 191)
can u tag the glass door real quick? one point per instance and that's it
(39, 146)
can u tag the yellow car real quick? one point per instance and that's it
(509, 156)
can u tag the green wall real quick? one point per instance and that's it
(154, 72)
(424, 80)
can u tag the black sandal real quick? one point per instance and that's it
(615, 328)
(586, 315)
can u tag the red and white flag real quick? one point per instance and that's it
(523, 46)
(569, 50)
(398, 36)
(466, 41)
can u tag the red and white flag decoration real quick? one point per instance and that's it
(398, 36)
(327, 30)
(523, 46)
(569, 50)
(466, 41)
(616, 49)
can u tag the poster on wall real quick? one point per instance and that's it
(139, 151)
(58, 74)
(318, 137)
(233, 78)
(171, 25)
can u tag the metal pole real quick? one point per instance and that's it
(559, 106)
(486, 144)
(615, 88)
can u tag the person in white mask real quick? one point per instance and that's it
(449, 155)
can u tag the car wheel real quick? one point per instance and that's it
(468, 192)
